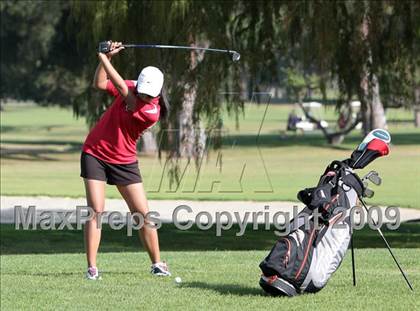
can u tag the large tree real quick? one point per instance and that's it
(362, 44)
(39, 61)
(371, 48)
(194, 80)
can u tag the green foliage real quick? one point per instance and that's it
(330, 36)
(48, 48)
(27, 29)
(161, 22)
(38, 59)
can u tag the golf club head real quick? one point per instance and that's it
(235, 56)
(374, 145)
(368, 193)
(373, 177)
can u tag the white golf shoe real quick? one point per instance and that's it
(160, 269)
(93, 274)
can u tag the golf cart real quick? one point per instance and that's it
(298, 121)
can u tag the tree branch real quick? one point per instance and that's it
(330, 136)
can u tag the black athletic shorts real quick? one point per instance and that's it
(114, 174)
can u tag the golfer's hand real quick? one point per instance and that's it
(115, 48)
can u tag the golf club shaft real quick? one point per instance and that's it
(176, 47)
(388, 246)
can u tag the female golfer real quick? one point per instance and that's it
(109, 152)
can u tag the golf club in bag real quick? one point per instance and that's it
(318, 237)
(104, 47)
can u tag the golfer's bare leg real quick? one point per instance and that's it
(135, 197)
(95, 196)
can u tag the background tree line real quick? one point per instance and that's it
(370, 49)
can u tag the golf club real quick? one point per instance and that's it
(375, 134)
(373, 177)
(374, 145)
(368, 193)
(104, 47)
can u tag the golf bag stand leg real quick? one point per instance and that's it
(389, 247)
(353, 260)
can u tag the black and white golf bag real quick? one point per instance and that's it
(304, 260)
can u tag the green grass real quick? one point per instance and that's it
(41, 150)
(211, 281)
(172, 239)
(44, 270)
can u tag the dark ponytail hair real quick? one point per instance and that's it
(164, 104)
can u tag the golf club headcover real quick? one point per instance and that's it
(374, 149)
(375, 134)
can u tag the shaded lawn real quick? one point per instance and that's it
(172, 239)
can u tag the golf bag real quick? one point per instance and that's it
(318, 238)
(305, 259)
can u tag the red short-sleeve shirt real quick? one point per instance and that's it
(114, 137)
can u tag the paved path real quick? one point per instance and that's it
(237, 209)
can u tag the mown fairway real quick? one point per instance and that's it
(43, 270)
(258, 161)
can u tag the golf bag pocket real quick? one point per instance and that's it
(329, 250)
(290, 257)
(281, 258)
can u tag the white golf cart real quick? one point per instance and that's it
(300, 122)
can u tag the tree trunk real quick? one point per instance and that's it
(337, 140)
(186, 122)
(378, 111)
(186, 125)
(364, 100)
(372, 109)
(148, 143)
(244, 84)
(417, 106)
(417, 116)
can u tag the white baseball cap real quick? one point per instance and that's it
(150, 81)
